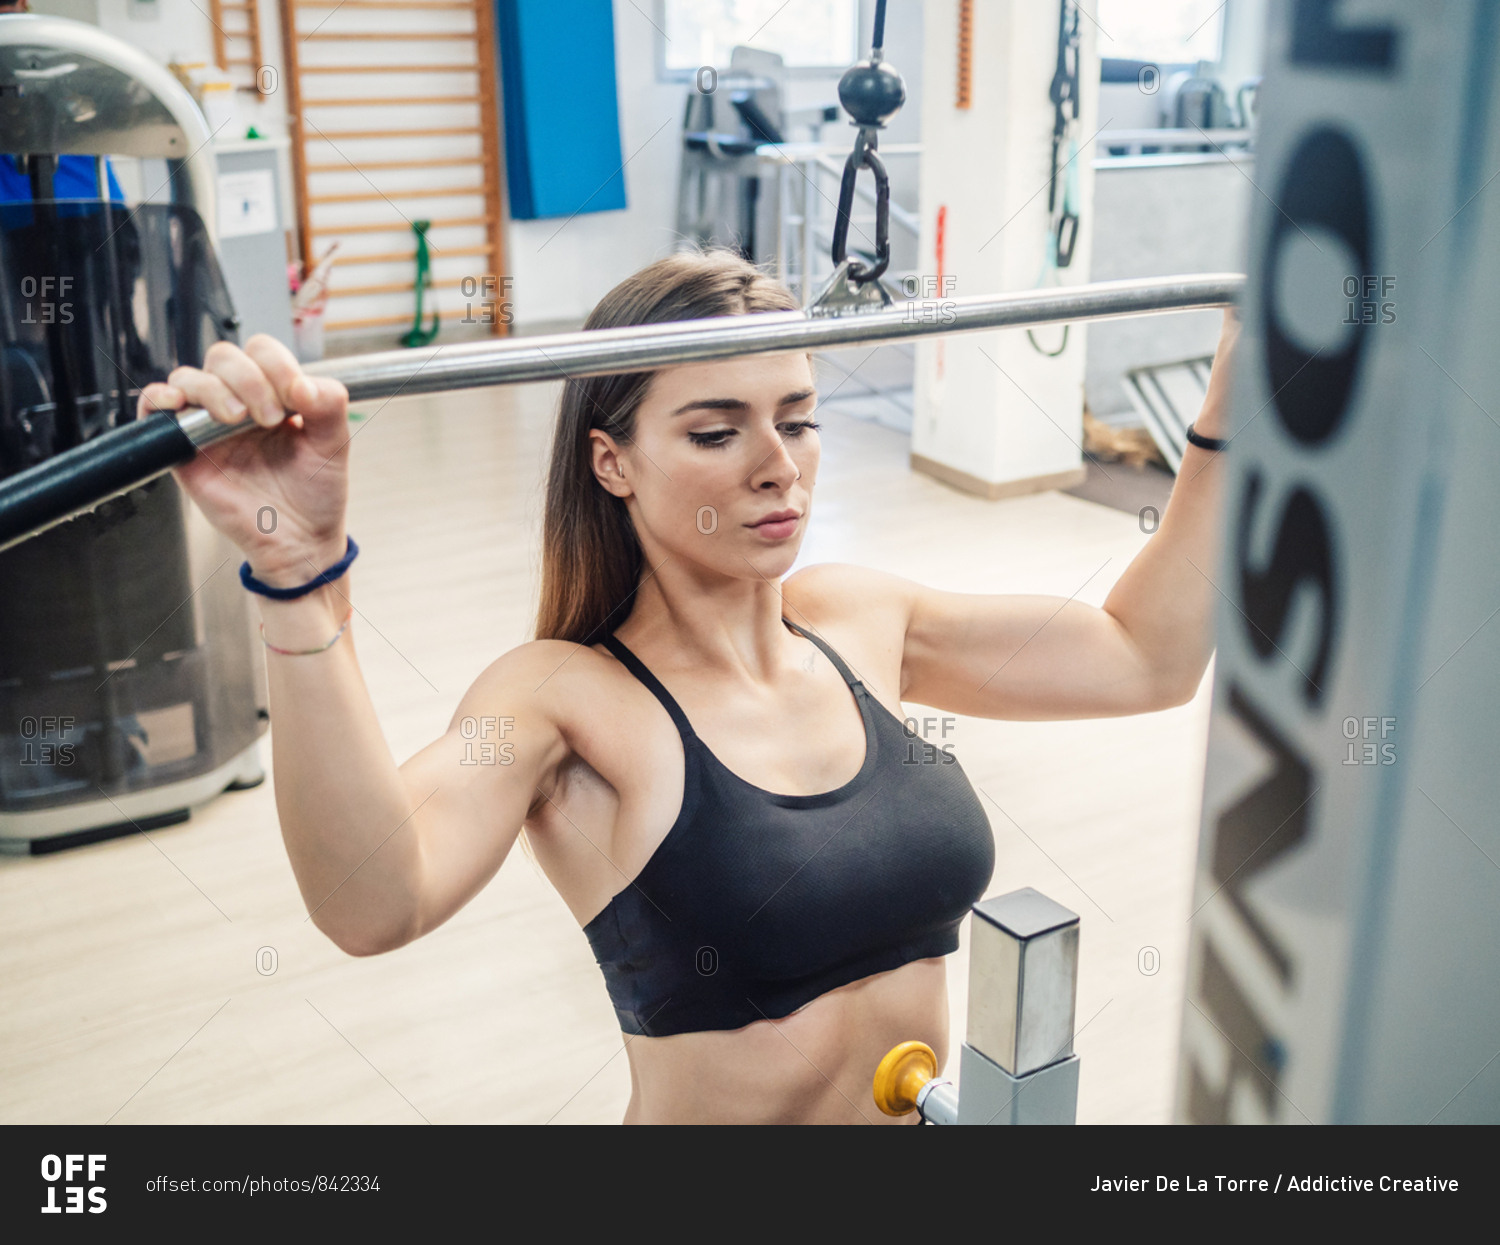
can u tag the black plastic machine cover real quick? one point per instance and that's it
(105, 681)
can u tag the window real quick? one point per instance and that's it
(808, 34)
(1162, 32)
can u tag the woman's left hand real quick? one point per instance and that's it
(1212, 420)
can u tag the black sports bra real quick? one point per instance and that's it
(757, 903)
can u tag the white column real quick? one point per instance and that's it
(993, 415)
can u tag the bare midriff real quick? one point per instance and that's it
(816, 1066)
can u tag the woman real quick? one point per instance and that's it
(706, 760)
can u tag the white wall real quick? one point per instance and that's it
(562, 267)
(167, 29)
(1157, 222)
(74, 10)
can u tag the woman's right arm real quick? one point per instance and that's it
(381, 853)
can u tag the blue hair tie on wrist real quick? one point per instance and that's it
(289, 594)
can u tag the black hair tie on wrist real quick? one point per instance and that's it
(351, 551)
(1204, 443)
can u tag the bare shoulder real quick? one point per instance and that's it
(552, 679)
(838, 593)
(535, 657)
(862, 613)
(571, 701)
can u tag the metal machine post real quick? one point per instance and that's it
(1017, 1065)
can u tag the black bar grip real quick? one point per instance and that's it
(77, 480)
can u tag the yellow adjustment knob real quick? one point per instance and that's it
(901, 1075)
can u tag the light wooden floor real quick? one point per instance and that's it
(129, 988)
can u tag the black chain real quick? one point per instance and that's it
(1064, 94)
(864, 157)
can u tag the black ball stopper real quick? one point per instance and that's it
(872, 94)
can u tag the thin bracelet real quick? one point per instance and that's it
(1204, 443)
(306, 652)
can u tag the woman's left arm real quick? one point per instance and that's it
(1167, 596)
(1041, 657)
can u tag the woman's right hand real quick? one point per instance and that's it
(279, 492)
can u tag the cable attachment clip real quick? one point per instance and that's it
(864, 156)
(871, 92)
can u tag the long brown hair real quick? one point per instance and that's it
(591, 559)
